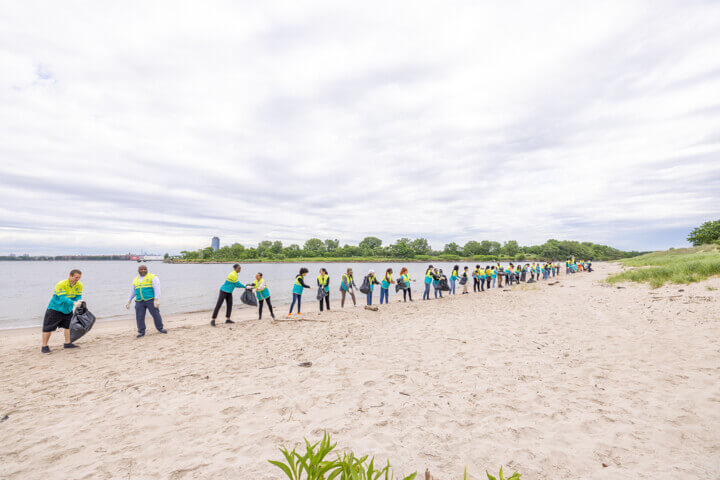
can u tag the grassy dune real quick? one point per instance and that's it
(683, 265)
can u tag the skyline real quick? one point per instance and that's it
(124, 132)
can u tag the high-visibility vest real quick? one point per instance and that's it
(143, 288)
(65, 295)
(261, 294)
(323, 280)
(297, 287)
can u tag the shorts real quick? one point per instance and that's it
(54, 320)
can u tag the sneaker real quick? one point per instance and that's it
(70, 345)
(229, 321)
(273, 317)
(289, 314)
(45, 349)
(162, 331)
(212, 323)
(140, 335)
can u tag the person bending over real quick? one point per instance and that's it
(66, 298)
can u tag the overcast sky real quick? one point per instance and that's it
(156, 125)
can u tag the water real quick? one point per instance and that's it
(26, 287)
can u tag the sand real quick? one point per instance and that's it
(572, 380)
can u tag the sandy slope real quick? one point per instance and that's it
(554, 381)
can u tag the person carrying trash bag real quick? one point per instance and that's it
(347, 284)
(81, 322)
(443, 283)
(66, 298)
(404, 284)
(262, 292)
(368, 285)
(297, 290)
(385, 286)
(323, 281)
(226, 294)
(146, 292)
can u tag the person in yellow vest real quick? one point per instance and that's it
(65, 299)
(347, 283)
(262, 292)
(146, 292)
(226, 294)
(323, 281)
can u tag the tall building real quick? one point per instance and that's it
(215, 243)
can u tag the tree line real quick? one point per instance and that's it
(406, 248)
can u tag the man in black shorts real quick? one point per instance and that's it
(65, 299)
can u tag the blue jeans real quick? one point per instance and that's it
(384, 294)
(494, 282)
(140, 309)
(435, 290)
(452, 287)
(298, 297)
(426, 294)
(369, 297)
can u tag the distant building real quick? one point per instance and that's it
(215, 243)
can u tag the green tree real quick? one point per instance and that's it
(420, 246)
(511, 248)
(314, 248)
(452, 248)
(263, 248)
(471, 248)
(293, 251)
(708, 232)
(332, 245)
(402, 249)
(370, 246)
(277, 247)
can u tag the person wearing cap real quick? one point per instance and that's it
(373, 281)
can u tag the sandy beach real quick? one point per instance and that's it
(573, 380)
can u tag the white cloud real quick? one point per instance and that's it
(155, 126)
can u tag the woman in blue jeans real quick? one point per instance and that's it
(453, 278)
(297, 290)
(373, 281)
(428, 281)
(385, 286)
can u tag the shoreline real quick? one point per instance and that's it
(576, 376)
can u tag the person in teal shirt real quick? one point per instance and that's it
(385, 286)
(226, 294)
(66, 298)
(453, 278)
(297, 290)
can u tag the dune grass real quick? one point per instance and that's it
(678, 266)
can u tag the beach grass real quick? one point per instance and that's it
(676, 266)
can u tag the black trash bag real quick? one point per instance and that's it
(81, 322)
(463, 280)
(365, 287)
(443, 284)
(400, 285)
(321, 293)
(249, 298)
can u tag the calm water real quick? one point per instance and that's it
(26, 287)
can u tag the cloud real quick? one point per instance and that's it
(158, 126)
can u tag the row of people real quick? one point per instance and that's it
(146, 291)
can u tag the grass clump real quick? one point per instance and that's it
(679, 266)
(317, 464)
